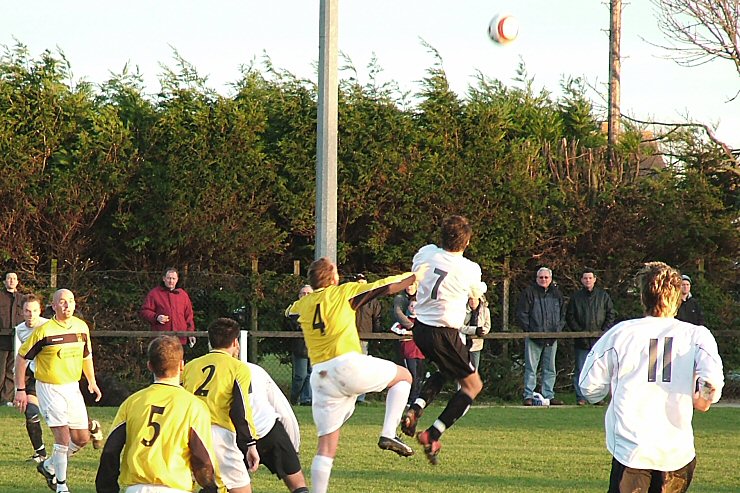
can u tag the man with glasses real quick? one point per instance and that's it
(541, 309)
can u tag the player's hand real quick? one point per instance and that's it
(21, 401)
(253, 458)
(93, 389)
(480, 331)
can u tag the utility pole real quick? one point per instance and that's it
(615, 69)
(326, 130)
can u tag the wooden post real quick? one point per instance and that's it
(253, 302)
(505, 304)
(53, 274)
(297, 268)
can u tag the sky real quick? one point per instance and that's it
(557, 39)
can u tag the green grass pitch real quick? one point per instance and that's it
(503, 449)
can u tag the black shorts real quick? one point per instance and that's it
(623, 478)
(30, 382)
(277, 452)
(444, 347)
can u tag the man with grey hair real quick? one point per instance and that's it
(541, 309)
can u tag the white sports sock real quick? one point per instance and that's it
(320, 472)
(73, 448)
(395, 403)
(49, 463)
(59, 458)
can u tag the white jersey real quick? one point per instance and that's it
(650, 365)
(446, 281)
(268, 404)
(23, 332)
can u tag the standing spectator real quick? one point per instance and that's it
(446, 281)
(32, 319)
(57, 383)
(477, 324)
(541, 309)
(11, 314)
(368, 321)
(340, 371)
(168, 307)
(300, 388)
(224, 383)
(690, 310)
(658, 370)
(589, 310)
(164, 432)
(404, 314)
(277, 428)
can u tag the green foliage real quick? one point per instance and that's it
(111, 179)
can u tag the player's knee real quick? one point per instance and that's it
(472, 385)
(403, 374)
(32, 414)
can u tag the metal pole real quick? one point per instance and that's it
(326, 140)
(615, 69)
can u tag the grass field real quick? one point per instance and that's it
(492, 449)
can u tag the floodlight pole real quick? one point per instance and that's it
(326, 130)
(615, 74)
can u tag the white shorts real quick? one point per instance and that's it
(62, 405)
(153, 488)
(230, 459)
(335, 385)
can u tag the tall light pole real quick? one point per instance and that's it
(326, 130)
(615, 69)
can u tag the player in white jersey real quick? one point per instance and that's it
(31, 319)
(446, 281)
(658, 370)
(277, 428)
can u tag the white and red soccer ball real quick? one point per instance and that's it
(503, 28)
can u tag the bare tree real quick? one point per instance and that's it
(700, 31)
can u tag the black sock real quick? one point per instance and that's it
(432, 386)
(457, 406)
(302, 489)
(33, 427)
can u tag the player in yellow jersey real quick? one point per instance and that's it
(62, 352)
(340, 371)
(223, 382)
(163, 431)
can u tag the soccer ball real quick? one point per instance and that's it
(503, 28)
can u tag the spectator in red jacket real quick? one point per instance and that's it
(168, 307)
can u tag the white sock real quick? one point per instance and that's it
(320, 472)
(59, 459)
(49, 463)
(395, 403)
(73, 448)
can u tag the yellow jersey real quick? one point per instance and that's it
(224, 384)
(58, 350)
(165, 435)
(327, 316)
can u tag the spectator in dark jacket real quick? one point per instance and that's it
(589, 310)
(541, 309)
(690, 310)
(11, 314)
(300, 388)
(168, 307)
